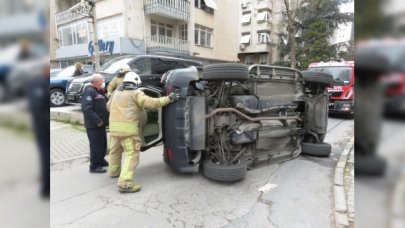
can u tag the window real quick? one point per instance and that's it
(246, 18)
(183, 32)
(142, 65)
(76, 33)
(109, 28)
(208, 5)
(248, 59)
(263, 38)
(264, 16)
(245, 39)
(263, 59)
(203, 36)
(161, 29)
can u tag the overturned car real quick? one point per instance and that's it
(231, 118)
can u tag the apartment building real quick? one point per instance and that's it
(198, 29)
(259, 27)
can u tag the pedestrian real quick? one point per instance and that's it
(125, 106)
(96, 116)
(117, 80)
(78, 69)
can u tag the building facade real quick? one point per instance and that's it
(199, 29)
(259, 28)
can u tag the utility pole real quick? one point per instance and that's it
(92, 15)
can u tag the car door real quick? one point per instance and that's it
(151, 121)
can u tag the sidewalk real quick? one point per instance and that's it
(68, 142)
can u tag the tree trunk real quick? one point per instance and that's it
(293, 51)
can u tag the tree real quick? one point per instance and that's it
(291, 11)
(310, 25)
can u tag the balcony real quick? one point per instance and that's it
(164, 44)
(175, 9)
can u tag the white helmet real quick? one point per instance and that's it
(125, 68)
(132, 77)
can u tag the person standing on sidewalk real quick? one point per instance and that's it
(96, 118)
(126, 105)
(117, 80)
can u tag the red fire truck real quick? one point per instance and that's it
(342, 93)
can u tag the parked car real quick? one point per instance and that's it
(55, 71)
(149, 67)
(16, 72)
(342, 92)
(58, 84)
(231, 118)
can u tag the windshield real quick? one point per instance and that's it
(67, 72)
(341, 75)
(113, 66)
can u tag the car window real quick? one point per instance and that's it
(113, 67)
(67, 72)
(142, 65)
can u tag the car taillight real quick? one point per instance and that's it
(169, 151)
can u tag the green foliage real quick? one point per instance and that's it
(315, 25)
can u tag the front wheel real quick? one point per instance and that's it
(219, 172)
(58, 97)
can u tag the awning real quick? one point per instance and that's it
(246, 18)
(245, 39)
(211, 4)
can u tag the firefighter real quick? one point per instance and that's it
(125, 106)
(117, 80)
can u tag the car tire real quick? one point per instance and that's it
(226, 173)
(316, 149)
(57, 97)
(225, 71)
(321, 78)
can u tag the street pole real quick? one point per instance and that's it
(95, 39)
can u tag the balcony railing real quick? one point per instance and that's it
(177, 9)
(156, 44)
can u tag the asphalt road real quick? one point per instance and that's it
(299, 195)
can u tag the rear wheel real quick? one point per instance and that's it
(58, 97)
(320, 78)
(225, 71)
(316, 149)
(221, 172)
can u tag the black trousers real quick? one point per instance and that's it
(98, 146)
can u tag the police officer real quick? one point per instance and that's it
(96, 117)
(117, 80)
(126, 105)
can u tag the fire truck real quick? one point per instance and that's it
(341, 95)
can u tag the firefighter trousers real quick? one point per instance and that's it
(131, 146)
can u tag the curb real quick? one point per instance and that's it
(67, 116)
(397, 203)
(341, 209)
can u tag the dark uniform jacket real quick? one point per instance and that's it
(94, 107)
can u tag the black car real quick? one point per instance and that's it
(149, 67)
(231, 118)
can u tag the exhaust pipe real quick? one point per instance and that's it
(196, 159)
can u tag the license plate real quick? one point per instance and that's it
(70, 97)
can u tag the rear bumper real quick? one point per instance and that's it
(341, 106)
